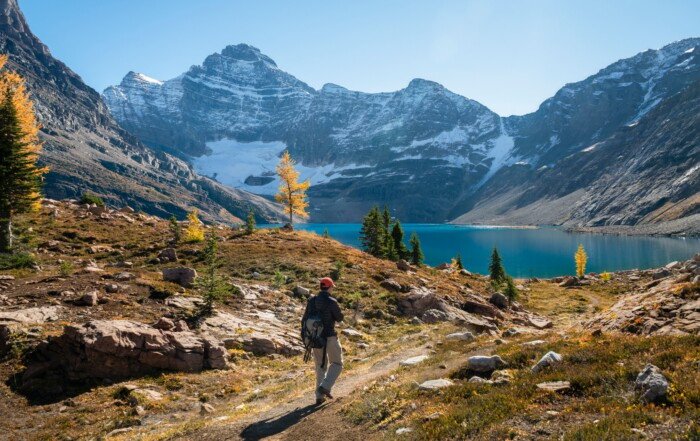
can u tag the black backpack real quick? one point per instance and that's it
(312, 333)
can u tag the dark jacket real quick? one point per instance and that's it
(328, 309)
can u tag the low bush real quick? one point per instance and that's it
(89, 198)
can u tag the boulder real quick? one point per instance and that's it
(124, 276)
(463, 336)
(165, 324)
(168, 255)
(119, 349)
(390, 285)
(485, 364)
(183, 276)
(569, 281)
(660, 273)
(88, 299)
(443, 266)
(112, 288)
(652, 384)
(673, 265)
(502, 376)
(539, 322)
(403, 265)
(435, 384)
(464, 272)
(510, 332)
(301, 292)
(480, 308)
(479, 380)
(499, 300)
(549, 359)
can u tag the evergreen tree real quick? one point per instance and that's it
(175, 230)
(371, 233)
(389, 247)
(326, 234)
(213, 287)
(510, 291)
(20, 177)
(496, 270)
(416, 251)
(250, 223)
(458, 262)
(292, 193)
(397, 237)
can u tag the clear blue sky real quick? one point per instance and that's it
(509, 55)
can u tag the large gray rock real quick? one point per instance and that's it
(652, 384)
(435, 384)
(485, 363)
(183, 276)
(499, 300)
(116, 349)
(549, 359)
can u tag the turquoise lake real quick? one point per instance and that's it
(542, 252)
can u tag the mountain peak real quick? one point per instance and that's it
(137, 77)
(14, 26)
(246, 52)
(421, 84)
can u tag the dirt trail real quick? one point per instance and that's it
(272, 423)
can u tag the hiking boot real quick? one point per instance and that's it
(320, 401)
(322, 391)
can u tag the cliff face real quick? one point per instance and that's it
(87, 150)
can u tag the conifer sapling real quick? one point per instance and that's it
(416, 251)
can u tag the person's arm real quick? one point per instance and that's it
(337, 313)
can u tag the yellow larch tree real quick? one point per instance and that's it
(580, 258)
(292, 193)
(195, 229)
(20, 176)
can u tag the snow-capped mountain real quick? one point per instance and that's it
(423, 150)
(86, 150)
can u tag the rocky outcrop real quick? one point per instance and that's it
(670, 305)
(117, 349)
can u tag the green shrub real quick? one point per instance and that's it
(17, 261)
(89, 198)
(66, 268)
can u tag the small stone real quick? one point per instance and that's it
(168, 255)
(112, 288)
(413, 360)
(484, 363)
(403, 265)
(139, 410)
(206, 408)
(403, 430)
(479, 380)
(352, 334)
(390, 285)
(499, 300)
(416, 321)
(554, 386)
(123, 277)
(549, 359)
(165, 324)
(301, 292)
(463, 336)
(435, 384)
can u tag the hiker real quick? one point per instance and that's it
(319, 336)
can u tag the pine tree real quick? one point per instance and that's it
(213, 287)
(371, 233)
(416, 251)
(389, 247)
(326, 234)
(292, 193)
(496, 270)
(458, 262)
(397, 236)
(175, 230)
(580, 258)
(195, 230)
(250, 223)
(20, 177)
(510, 291)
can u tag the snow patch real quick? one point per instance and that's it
(232, 162)
(590, 148)
(147, 79)
(499, 153)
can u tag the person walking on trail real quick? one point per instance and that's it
(320, 338)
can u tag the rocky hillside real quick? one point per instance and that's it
(430, 153)
(87, 150)
(102, 335)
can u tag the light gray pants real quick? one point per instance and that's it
(327, 375)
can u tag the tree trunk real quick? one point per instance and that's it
(5, 234)
(291, 216)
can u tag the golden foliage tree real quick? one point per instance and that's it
(292, 193)
(20, 176)
(580, 258)
(195, 229)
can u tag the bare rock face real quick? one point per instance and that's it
(118, 349)
(668, 305)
